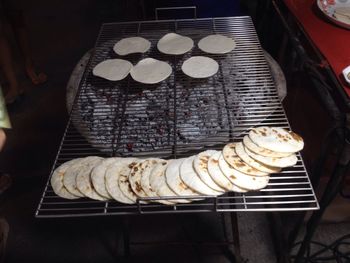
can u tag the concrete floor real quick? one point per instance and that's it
(60, 33)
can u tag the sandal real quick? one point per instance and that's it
(36, 78)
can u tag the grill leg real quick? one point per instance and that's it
(235, 238)
(280, 242)
(126, 237)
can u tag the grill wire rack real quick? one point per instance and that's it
(177, 118)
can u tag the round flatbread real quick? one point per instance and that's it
(112, 69)
(215, 168)
(70, 176)
(241, 180)
(131, 45)
(216, 174)
(158, 182)
(273, 161)
(251, 162)
(174, 181)
(191, 179)
(113, 173)
(98, 176)
(216, 44)
(57, 180)
(200, 165)
(276, 139)
(200, 67)
(236, 162)
(123, 181)
(249, 144)
(135, 178)
(150, 71)
(83, 180)
(174, 44)
(145, 179)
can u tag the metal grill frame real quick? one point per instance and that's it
(289, 190)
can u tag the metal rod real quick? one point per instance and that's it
(235, 237)
(126, 236)
(280, 242)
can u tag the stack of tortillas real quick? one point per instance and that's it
(239, 167)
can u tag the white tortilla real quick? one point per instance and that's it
(251, 162)
(131, 45)
(57, 180)
(200, 165)
(158, 182)
(136, 174)
(98, 176)
(113, 173)
(174, 44)
(273, 161)
(216, 44)
(174, 181)
(248, 143)
(276, 139)
(124, 183)
(70, 176)
(236, 162)
(200, 67)
(215, 173)
(150, 71)
(83, 180)
(241, 180)
(191, 179)
(112, 69)
(145, 179)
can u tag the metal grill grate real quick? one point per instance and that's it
(178, 117)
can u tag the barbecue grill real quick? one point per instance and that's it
(178, 117)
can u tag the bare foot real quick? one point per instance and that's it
(11, 96)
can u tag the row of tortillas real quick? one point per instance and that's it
(239, 167)
(175, 44)
(152, 71)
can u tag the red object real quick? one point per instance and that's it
(331, 40)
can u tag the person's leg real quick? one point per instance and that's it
(7, 66)
(4, 231)
(20, 31)
(2, 138)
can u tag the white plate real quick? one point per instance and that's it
(346, 73)
(328, 10)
